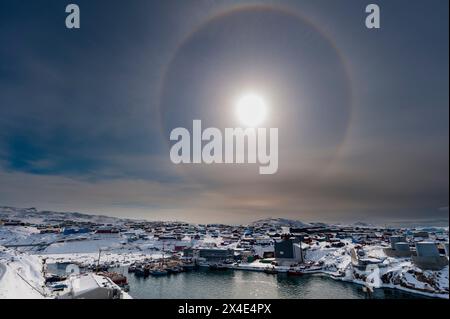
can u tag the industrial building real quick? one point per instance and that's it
(428, 256)
(427, 249)
(288, 250)
(396, 239)
(92, 286)
(209, 254)
(399, 247)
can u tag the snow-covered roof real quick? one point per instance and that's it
(87, 282)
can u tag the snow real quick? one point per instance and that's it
(84, 246)
(282, 222)
(20, 277)
(21, 267)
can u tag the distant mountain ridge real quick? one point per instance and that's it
(37, 216)
(34, 215)
(283, 222)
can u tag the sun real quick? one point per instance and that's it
(251, 109)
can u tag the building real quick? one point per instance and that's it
(402, 247)
(420, 234)
(396, 239)
(92, 286)
(428, 257)
(73, 231)
(288, 249)
(361, 262)
(107, 230)
(13, 223)
(209, 254)
(427, 249)
(399, 247)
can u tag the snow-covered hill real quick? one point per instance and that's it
(282, 222)
(32, 215)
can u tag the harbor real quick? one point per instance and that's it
(119, 259)
(235, 284)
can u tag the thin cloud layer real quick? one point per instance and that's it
(85, 116)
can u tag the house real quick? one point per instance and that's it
(107, 230)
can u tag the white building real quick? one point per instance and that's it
(93, 286)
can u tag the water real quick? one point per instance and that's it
(240, 284)
(247, 284)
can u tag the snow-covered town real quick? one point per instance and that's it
(36, 245)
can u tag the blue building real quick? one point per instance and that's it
(72, 231)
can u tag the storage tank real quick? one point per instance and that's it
(427, 249)
(396, 239)
(402, 246)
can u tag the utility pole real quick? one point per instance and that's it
(44, 260)
(98, 260)
(164, 247)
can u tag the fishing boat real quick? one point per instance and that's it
(180, 269)
(140, 272)
(52, 278)
(271, 271)
(295, 272)
(159, 272)
(116, 278)
(312, 270)
(57, 287)
(189, 267)
(173, 270)
(218, 267)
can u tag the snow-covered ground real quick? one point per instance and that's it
(21, 263)
(20, 276)
(397, 273)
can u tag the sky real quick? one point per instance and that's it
(362, 114)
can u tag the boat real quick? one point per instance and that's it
(173, 270)
(119, 279)
(140, 272)
(295, 272)
(271, 271)
(98, 268)
(218, 267)
(180, 269)
(312, 270)
(58, 287)
(159, 272)
(54, 278)
(189, 267)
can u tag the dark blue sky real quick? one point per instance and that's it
(363, 114)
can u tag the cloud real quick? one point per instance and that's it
(80, 127)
